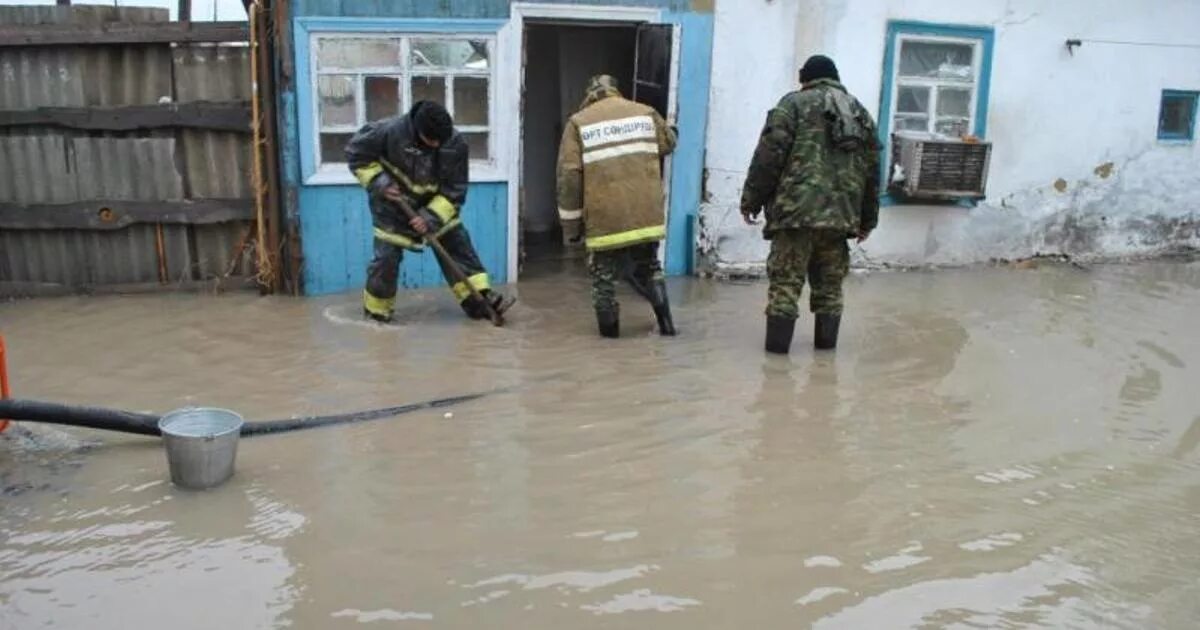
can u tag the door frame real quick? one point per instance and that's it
(672, 117)
(511, 40)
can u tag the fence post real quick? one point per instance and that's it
(3, 380)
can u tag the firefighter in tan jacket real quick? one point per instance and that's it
(610, 194)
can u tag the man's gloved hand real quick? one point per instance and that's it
(383, 186)
(750, 215)
(425, 222)
(572, 233)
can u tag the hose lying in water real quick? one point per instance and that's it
(147, 424)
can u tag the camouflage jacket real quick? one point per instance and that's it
(817, 163)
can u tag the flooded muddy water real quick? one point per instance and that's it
(987, 448)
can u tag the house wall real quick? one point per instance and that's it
(333, 220)
(1076, 166)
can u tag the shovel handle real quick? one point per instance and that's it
(459, 275)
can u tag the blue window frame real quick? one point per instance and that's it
(332, 101)
(936, 79)
(1177, 115)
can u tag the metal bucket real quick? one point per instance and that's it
(201, 445)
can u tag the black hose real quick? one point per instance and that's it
(147, 424)
(297, 424)
(91, 417)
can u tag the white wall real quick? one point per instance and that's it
(1051, 116)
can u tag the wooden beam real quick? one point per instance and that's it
(114, 214)
(122, 33)
(200, 115)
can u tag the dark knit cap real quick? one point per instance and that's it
(818, 67)
(432, 121)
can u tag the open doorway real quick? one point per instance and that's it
(559, 59)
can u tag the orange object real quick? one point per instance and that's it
(3, 380)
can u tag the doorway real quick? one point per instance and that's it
(560, 57)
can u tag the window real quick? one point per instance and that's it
(1177, 115)
(363, 78)
(935, 83)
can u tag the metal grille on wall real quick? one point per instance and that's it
(125, 151)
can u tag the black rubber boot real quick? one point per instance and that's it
(382, 319)
(609, 323)
(779, 334)
(825, 331)
(662, 308)
(474, 308)
(478, 310)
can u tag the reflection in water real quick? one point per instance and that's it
(1043, 592)
(122, 561)
(987, 448)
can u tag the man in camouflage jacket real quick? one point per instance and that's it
(816, 173)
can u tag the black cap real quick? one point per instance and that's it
(432, 121)
(818, 67)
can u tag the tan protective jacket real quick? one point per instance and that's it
(610, 175)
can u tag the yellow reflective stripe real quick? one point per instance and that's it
(631, 237)
(377, 305)
(396, 239)
(368, 173)
(446, 228)
(408, 183)
(442, 207)
(479, 281)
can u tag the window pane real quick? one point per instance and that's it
(912, 99)
(470, 101)
(912, 123)
(953, 127)
(1178, 115)
(937, 60)
(366, 52)
(450, 54)
(477, 142)
(335, 94)
(954, 102)
(383, 97)
(429, 89)
(333, 147)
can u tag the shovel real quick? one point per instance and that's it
(456, 272)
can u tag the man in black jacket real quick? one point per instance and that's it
(419, 158)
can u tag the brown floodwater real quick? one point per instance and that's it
(987, 448)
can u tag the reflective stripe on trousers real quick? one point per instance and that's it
(480, 281)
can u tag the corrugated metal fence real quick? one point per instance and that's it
(54, 170)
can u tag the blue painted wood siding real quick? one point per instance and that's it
(334, 221)
(687, 165)
(335, 227)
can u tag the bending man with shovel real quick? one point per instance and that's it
(414, 168)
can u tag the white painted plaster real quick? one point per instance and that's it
(1052, 115)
